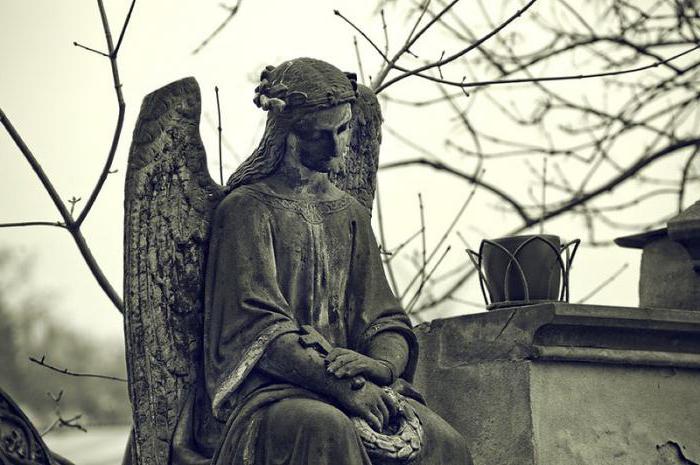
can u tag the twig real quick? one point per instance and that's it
(463, 84)
(123, 31)
(451, 58)
(382, 238)
(442, 239)
(226, 144)
(395, 251)
(60, 421)
(422, 233)
(684, 178)
(544, 194)
(416, 296)
(604, 284)
(57, 224)
(466, 176)
(390, 63)
(218, 113)
(578, 17)
(386, 32)
(121, 106)
(90, 49)
(36, 167)
(359, 60)
(73, 201)
(582, 199)
(232, 12)
(73, 226)
(65, 371)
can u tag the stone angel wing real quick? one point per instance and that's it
(359, 178)
(169, 202)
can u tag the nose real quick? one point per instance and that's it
(335, 144)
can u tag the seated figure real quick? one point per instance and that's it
(288, 249)
(304, 341)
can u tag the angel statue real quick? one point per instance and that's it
(260, 327)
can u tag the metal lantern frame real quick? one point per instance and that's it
(568, 248)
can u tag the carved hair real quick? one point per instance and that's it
(288, 92)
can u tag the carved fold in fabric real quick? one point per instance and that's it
(230, 382)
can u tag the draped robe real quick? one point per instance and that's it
(276, 263)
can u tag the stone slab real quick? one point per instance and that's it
(562, 383)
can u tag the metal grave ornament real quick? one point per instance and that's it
(523, 270)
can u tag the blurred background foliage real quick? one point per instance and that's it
(27, 329)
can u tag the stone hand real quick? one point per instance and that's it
(372, 403)
(346, 363)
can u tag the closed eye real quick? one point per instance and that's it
(342, 128)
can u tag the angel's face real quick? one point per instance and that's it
(323, 136)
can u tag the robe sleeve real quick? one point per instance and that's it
(244, 307)
(372, 304)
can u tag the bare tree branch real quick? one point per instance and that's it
(71, 224)
(121, 106)
(57, 224)
(443, 61)
(231, 13)
(65, 371)
(437, 165)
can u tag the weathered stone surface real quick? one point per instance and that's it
(169, 198)
(169, 204)
(684, 228)
(670, 272)
(359, 177)
(586, 413)
(567, 384)
(666, 278)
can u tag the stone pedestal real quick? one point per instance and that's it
(568, 384)
(670, 272)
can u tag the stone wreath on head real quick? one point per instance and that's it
(287, 92)
(304, 83)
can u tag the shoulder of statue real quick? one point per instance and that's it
(312, 210)
(242, 201)
(359, 210)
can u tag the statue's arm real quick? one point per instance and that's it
(287, 359)
(385, 347)
(391, 349)
(383, 361)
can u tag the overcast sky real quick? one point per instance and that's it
(60, 99)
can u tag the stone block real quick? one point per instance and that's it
(567, 384)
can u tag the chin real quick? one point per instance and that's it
(326, 165)
(336, 165)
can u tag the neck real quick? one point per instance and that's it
(293, 178)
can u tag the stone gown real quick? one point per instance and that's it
(276, 263)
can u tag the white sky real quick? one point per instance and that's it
(61, 101)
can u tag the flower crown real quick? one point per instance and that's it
(304, 83)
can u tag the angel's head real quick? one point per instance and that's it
(308, 116)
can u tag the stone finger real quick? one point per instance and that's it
(390, 403)
(340, 361)
(384, 412)
(374, 421)
(335, 353)
(352, 368)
